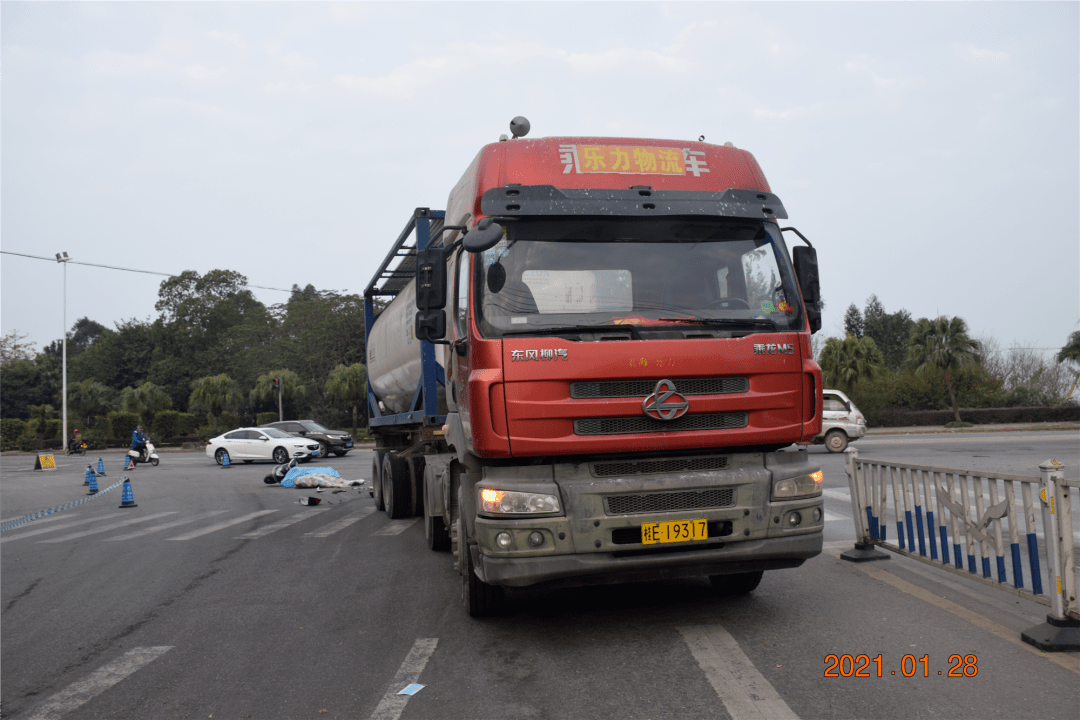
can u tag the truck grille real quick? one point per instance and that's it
(656, 467)
(669, 501)
(645, 424)
(642, 388)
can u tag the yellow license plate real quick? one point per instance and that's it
(674, 531)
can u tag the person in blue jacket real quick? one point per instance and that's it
(138, 440)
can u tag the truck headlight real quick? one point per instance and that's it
(508, 502)
(800, 486)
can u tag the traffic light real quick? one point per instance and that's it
(277, 384)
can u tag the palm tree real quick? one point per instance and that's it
(292, 387)
(1071, 354)
(144, 400)
(846, 362)
(943, 344)
(349, 383)
(91, 398)
(214, 394)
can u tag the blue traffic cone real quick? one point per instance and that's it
(93, 485)
(100, 467)
(89, 474)
(128, 498)
(225, 459)
(128, 465)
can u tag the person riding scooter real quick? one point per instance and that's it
(138, 441)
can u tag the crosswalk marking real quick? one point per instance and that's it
(222, 525)
(837, 494)
(395, 527)
(106, 528)
(50, 518)
(81, 692)
(41, 531)
(341, 523)
(165, 526)
(274, 527)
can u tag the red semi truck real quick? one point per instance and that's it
(593, 368)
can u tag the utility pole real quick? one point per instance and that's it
(63, 341)
(280, 412)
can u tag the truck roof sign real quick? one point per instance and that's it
(632, 160)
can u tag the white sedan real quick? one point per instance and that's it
(250, 444)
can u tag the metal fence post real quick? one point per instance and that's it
(1061, 631)
(864, 549)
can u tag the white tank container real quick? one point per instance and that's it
(393, 362)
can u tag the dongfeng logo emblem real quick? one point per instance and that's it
(665, 403)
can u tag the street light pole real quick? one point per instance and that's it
(63, 341)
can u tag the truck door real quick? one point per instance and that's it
(459, 356)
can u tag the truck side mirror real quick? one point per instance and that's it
(431, 279)
(430, 294)
(806, 270)
(484, 237)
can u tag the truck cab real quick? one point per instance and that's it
(619, 341)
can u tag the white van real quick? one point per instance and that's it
(841, 421)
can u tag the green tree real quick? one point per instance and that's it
(845, 362)
(316, 333)
(853, 321)
(944, 344)
(890, 331)
(349, 384)
(292, 389)
(91, 399)
(215, 394)
(145, 400)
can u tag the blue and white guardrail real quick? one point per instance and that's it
(985, 517)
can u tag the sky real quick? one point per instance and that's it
(930, 151)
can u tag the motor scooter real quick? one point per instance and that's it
(147, 455)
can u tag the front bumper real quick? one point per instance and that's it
(603, 568)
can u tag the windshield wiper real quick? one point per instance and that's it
(725, 322)
(635, 333)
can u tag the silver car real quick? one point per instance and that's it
(841, 421)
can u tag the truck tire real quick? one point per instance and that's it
(836, 441)
(376, 480)
(395, 484)
(479, 598)
(737, 584)
(416, 485)
(438, 538)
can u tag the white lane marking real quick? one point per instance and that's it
(221, 525)
(78, 693)
(106, 528)
(47, 518)
(341, 523)
(54, 528)
(274, 527)
(395, 527)
(165, 526)
(837, 494)
(745, 692)
(831, 516)
(392, 704)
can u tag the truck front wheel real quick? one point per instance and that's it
(479, 598)
(737, 584)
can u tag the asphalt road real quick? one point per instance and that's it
(222, 597)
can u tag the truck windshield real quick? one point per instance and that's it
(575, 274)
